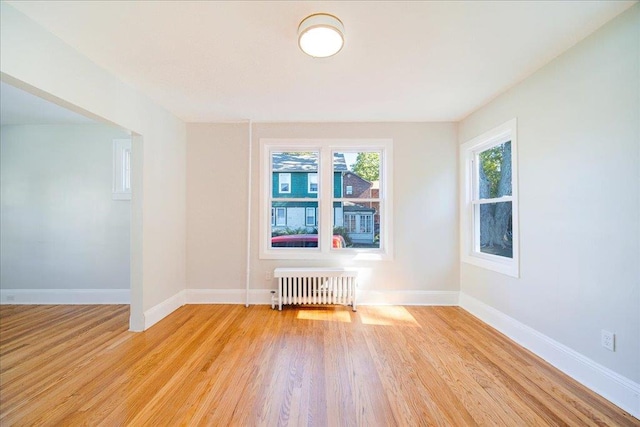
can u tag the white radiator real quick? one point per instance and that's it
(316, 286)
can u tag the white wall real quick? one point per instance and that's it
(217, 168)
(60, 227)
(33, 59)
(579, 171)
(425, 208)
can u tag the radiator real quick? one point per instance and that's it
(316, 286)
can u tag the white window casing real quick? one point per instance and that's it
(325, 198)
(470, 201)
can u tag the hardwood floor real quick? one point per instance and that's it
(231, 365)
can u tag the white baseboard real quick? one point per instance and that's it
(165, 308)
(619, 390)
(65, 296)
(228, 296)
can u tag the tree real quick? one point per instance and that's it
(367, 166)
(495, 182)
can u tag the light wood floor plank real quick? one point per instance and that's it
(311, 366)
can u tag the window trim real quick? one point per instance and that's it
(325, 211)
(469, 226)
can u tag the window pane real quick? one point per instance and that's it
(358, 224)
(494, 173)
(294, 225)
(126, 170)
(496, 228)
(356, 174)
(293, 174)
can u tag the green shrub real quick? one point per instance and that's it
(289, 231)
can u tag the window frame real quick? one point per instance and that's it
(325, 197)
(348, 190)
(470, 200)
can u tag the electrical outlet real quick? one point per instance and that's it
(608, 340)
(268, 275)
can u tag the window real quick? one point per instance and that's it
(362, 208)
(489, 200)
(313, 208)
(285, 182)
(312, 183)
(281, 216)
(350, 223)
(366, 224)
(310, 217)
(121, 169)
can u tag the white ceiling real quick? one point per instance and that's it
(209, 61)
(18, 107)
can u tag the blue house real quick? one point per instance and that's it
(295, 175)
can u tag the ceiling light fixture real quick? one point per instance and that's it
(321, 35)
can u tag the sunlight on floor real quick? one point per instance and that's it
(388, 316)
(370, 315)
(325, 315)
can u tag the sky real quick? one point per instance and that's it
(350, 159)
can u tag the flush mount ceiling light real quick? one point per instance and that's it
(321, 35)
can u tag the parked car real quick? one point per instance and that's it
(304, 241)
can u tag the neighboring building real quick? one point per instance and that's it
(295, 175)
(360, 219)
(375, 194)
(355, 187)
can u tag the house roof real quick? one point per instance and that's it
(353, 207)
(348, 173)
(304, 162)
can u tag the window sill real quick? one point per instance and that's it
(341, 254)
(508, 267)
